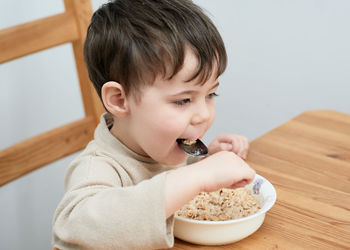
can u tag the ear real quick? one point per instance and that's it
(114, 99)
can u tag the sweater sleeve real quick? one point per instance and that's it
(96, 212)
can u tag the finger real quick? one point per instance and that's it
(239, 184)
(246, 150)
(226, 146)
(239, 145)
(245, 154)
(214, 147)
(236, 145)
(227, 138)
(244, 144)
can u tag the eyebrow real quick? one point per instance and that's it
(194, 91)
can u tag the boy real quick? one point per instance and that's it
(155, 65)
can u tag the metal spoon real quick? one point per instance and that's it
(193, 148)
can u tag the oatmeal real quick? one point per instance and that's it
(225, 204)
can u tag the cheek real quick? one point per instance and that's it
(212, 114)
(161, 137)
(170, 126)
(160, 126)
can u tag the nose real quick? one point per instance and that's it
(202, 113)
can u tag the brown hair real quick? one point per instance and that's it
(129, 41)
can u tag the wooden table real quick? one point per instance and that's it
(307, 160)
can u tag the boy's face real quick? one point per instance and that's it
(171, 109)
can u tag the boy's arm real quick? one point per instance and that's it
(181, 185)
(102, 210)
(220, 170)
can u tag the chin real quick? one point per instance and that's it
(172, 157)
(174, 161)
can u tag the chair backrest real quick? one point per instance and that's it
(67, 27)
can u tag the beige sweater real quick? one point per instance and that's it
(114, 199)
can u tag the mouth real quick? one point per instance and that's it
(192, 147)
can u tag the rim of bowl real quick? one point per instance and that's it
(270, 202)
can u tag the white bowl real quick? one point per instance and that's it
(225, 232)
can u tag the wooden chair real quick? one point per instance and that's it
(67, 27)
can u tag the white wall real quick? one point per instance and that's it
(285, 57)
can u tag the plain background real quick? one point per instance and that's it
(285, 57)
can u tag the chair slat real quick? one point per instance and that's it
(24, 39)
(44, 33)
(82, 10)
(47, 147)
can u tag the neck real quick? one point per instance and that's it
(120, 130)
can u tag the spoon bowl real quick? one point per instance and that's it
(193, 148)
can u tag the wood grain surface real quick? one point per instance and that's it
(40, 150)
(307, 159)
(28, 155)
(38, 35)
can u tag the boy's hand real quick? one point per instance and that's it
(229, 142)
(221, 170)
(224, 170)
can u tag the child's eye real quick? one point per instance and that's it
(182, 102)
(212, 95)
